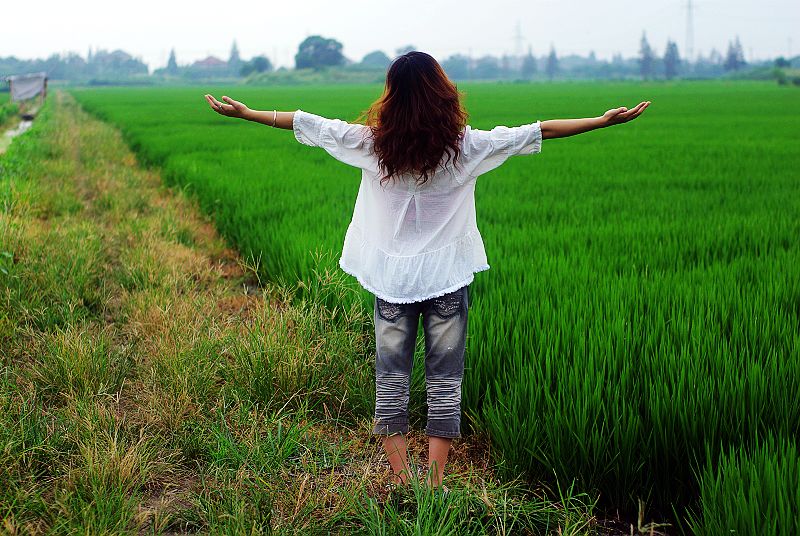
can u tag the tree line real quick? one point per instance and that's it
(318, 53)
(100, 64)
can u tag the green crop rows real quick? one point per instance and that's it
(640, 318)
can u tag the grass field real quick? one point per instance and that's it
(639, 329)
(124, 411)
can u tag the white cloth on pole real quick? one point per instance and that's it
(27, 86)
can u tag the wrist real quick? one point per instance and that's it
(600, 122)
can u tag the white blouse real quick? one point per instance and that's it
(408, 243)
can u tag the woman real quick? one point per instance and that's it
(413, 240)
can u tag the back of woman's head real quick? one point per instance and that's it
(418, 120)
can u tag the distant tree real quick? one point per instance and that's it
(734, 59)
(257, 64)
(506, 69)
(316, 52)
(71, 63)
(376, 59)
(592, 56)
(172, 63)
(782, 62)
(73, 60)
(405, 49)
(552, 63)
(617, 68)
(104, 67)
(456, 67)
(487, 67)
(715, 57)
(529, 67)
(116, 64)
(671, 60)
(646, 58)
(234, 61)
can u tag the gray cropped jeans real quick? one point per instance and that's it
(444, 322)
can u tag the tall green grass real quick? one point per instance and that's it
(642, 313)
(754, 491)
(7, 111)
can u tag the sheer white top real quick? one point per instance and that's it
(408, 243)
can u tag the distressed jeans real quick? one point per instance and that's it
(444, 322)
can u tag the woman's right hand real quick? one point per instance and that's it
(229, 108)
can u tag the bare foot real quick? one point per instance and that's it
(400, 479)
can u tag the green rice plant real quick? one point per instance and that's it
(750, 491)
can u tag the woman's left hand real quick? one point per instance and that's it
(229, 108)
(615, 116)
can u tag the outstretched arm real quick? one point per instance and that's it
(232, 108)
(560, 128)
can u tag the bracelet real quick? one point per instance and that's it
(274, 117)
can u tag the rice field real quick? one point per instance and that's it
(638, 332)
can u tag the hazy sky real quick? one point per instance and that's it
(149, 28)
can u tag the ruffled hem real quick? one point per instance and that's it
(298, 127)
(535, 145)
(413, 278)
(394, 299)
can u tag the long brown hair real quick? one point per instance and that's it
(418, 119)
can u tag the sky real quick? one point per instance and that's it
(148, 29)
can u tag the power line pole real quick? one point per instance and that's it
(518, 40)
(689, 31)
